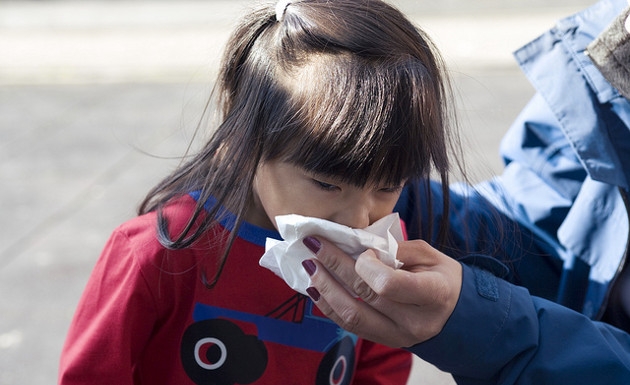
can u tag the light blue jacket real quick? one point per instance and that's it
(556, 217)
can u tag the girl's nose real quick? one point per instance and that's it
(356, 216)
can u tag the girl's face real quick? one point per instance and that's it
(283, 188)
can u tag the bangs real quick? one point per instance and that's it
(360, 121)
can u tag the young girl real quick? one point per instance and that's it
(327, 109)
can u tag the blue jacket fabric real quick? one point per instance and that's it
(557, 217)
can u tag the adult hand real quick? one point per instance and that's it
(399, 307)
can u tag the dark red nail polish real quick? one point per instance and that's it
(313, 293)
(312, 243)
(309, 266)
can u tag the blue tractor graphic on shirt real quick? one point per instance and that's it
(215, 350)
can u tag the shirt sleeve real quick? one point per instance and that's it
(381, 365)
(500, 334)
(112, 323)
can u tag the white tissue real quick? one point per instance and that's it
(285, 258)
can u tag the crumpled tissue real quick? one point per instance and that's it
(285, 258)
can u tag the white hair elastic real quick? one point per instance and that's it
(281, 8)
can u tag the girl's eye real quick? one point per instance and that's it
(391, 190)
(325, 186)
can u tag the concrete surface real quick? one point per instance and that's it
(98, 98)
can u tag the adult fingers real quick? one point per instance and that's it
(351, 314)
(342, 267)
(396, 285)
(427, 274)
(418, 253)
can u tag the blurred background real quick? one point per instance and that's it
(98, 99)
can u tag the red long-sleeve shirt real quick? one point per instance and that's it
(147, 318)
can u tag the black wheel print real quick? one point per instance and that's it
(216, 351)
(337, 366)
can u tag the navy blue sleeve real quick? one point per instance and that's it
(500, 334)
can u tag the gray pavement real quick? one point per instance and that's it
(97, 100)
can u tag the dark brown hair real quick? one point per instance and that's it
(347, 88)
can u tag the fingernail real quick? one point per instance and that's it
(312, 243)
(313, 293)
(309, 266)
